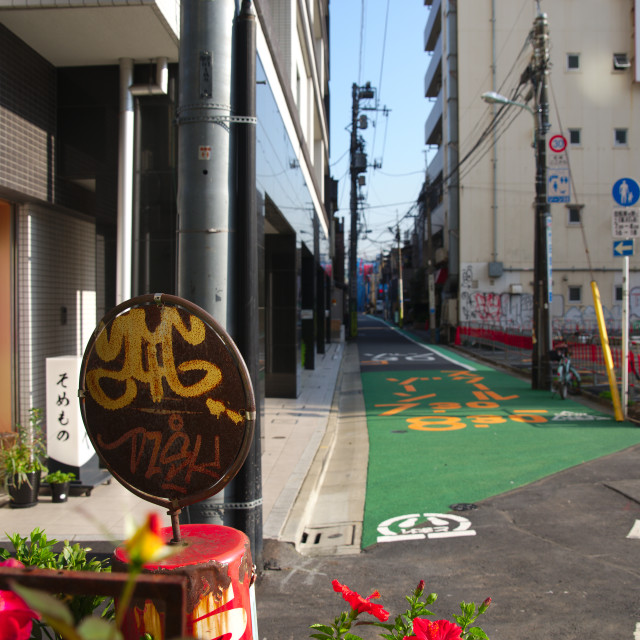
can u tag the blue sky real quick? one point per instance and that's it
(394, 65)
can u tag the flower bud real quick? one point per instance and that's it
(484, 606)
(419, 588)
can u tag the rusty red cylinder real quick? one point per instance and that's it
(217, 563)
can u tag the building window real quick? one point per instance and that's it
(575, 294)
(620, 61)
(620, 137)
(575, 138)
(618, 293)
(573, 61)
(574, 214)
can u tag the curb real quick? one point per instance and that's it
(308, 495)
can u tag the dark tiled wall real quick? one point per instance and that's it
(27, 119)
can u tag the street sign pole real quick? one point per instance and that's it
(625, 335)
(626, 225)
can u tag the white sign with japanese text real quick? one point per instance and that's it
(67, 439)
(625, 223)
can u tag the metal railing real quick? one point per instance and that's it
(513, 346)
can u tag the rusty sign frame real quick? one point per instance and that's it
(247, 412)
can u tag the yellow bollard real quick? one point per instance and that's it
(606, 350)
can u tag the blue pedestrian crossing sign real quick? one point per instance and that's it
(626, 192)
(623, 248)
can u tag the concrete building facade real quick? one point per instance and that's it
(66, 69)
(483, 177)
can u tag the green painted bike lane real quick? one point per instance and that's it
(444, 437)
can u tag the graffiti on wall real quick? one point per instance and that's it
(478, 306)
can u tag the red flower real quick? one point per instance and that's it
(15, 616)
(360, 604)
(438, 630)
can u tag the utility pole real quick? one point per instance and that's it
(542, 337)
(206, 274)
(400, 283)
(353, 238)
(243, 495)
(358, 164)
(431, 286)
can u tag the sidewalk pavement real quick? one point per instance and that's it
(293, 430)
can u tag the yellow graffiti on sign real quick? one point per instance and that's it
(155, 348)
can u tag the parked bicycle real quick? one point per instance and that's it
(567, 378)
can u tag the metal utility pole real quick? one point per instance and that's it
(353, 238)
(205, 251)
(400, 283)
(358, 164)
(431, 286)
(542, 337)
(243, 495)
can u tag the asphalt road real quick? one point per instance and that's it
(382, 348)
(560, 557)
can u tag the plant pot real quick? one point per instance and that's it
(59, 491)
(26, 494)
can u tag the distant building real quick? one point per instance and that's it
(483, 185)
(66, 69)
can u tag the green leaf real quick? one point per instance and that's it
(477, 632)
(324, 628)
(384, 625)
(98, 629)
(43, 603)
(351, 636)
(320, 636)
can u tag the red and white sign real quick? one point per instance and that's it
(557, 143)
(204, 153)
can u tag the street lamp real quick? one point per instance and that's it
(542, 337)
(493, 97)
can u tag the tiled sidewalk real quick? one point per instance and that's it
(292, 430)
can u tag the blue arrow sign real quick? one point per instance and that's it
(623, 248)
(558, 184)
(626, 192)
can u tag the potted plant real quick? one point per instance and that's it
(59, 482)
(21, 464)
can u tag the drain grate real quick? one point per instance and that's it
(463, 506)
(321, 537)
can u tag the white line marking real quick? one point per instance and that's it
(635, 533)
(636, 635)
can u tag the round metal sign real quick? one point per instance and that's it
(166, 400)
(557, 143)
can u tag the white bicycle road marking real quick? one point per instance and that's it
(417, 526)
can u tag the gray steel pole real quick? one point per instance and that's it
(205, 221)
(243, 495)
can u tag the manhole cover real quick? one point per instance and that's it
(328, 536)
(463, 506)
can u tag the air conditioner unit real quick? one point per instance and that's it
(621, 61)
